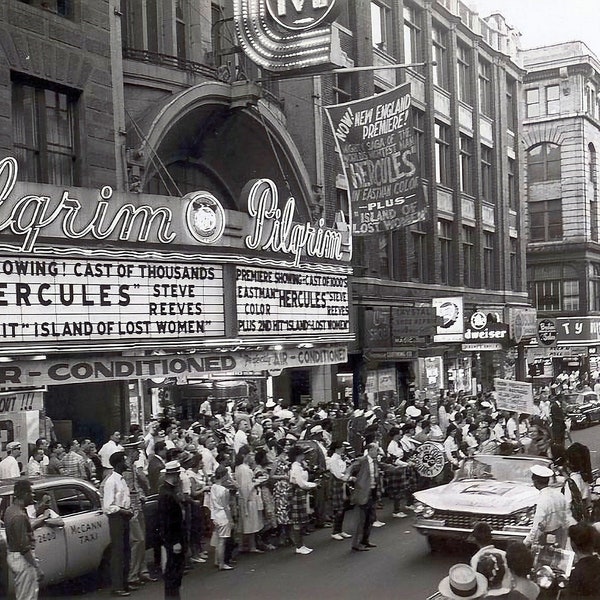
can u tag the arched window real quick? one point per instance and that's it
(592, 162)
(543, 163)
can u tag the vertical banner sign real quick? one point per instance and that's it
(376, 143)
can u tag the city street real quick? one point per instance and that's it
(400, 567)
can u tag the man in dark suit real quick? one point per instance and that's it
(156, 464)
(171, 529)
(366, 473)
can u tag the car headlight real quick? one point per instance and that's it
(423, 510)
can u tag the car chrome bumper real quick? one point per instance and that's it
(437, 528)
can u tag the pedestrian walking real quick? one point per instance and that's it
(20, 543)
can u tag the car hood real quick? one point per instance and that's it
(480, 496)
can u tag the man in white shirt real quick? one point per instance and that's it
(552, 513)
(113, 445)
(241, 437)
(116, 503)
(35, 465)
(9, 467)
(207, 450)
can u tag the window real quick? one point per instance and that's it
(595, 287)
(470, 265)
(532, 99)
(380, 25)
(71, 501)
(384, 244)
(485, 87)
(442, 154)
(63, 8)
(512, 185)
(466, 177)
(180, 29)
(342, 88)
(420, 262)
(488, 260)
(592, 164)
(552, 100)
(44, 128)
(555, 295)
(419, 130)
(463, 72)
(413, 39)
(513, 264)
(545, 220)
(591, 104)
(543, 163)
(511, 104)
(440, 56)
(445, 237)
(486, 174)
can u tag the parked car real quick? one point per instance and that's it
(82, 545)
(583, 409)
(492, 488)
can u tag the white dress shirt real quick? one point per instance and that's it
(116, 494)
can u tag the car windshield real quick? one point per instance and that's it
(500, 468)
(583, 398)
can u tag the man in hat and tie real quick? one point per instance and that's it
(171, 529)
(552, 513)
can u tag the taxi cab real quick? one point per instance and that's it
(70, 551)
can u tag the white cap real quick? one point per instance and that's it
(358, 412)
(173, 466)
(317, 429)
(270, 403)
(541, 471)
(413, 411)
(13, 445)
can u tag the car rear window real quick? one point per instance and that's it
(70, 500)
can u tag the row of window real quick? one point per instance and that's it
(542, 102)
(414, 39)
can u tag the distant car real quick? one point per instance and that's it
(583, 409)
(73, 550)
(492, 488)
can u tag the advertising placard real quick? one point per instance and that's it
(376, 144)
(450, 326)
(44, 300)
(11, 402)
(276, 301)
(514, 396)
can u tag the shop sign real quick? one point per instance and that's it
(412, 322)
(99, 369)
(11, 402)
(289, 35)
(274, 301)
(483, 347)
(375, 141)
(553, 352)
(522, 324)
(33, 211)
(49, 300)
(487, 332)
(547, 332)
(514, 396)
(377, 327)
(392, 355)
(449, 312)
(578, 330)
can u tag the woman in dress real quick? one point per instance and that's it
(262, 473)
(250, 503)
(300, 486)
(280, 475)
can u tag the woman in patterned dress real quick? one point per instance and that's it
(300, 486)
(262, 472)
(280, 475)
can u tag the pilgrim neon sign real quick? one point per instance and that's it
(272, 228)
(275, 230)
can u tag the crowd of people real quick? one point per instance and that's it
(256, 477)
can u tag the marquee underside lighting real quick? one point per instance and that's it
(278, 50)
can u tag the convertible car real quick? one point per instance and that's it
(492, 488)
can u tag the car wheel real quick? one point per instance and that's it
(436, 544)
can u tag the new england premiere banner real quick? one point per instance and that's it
(376, 142)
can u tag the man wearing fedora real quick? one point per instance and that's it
(463, 583)
(171, 529)
(552, 513)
